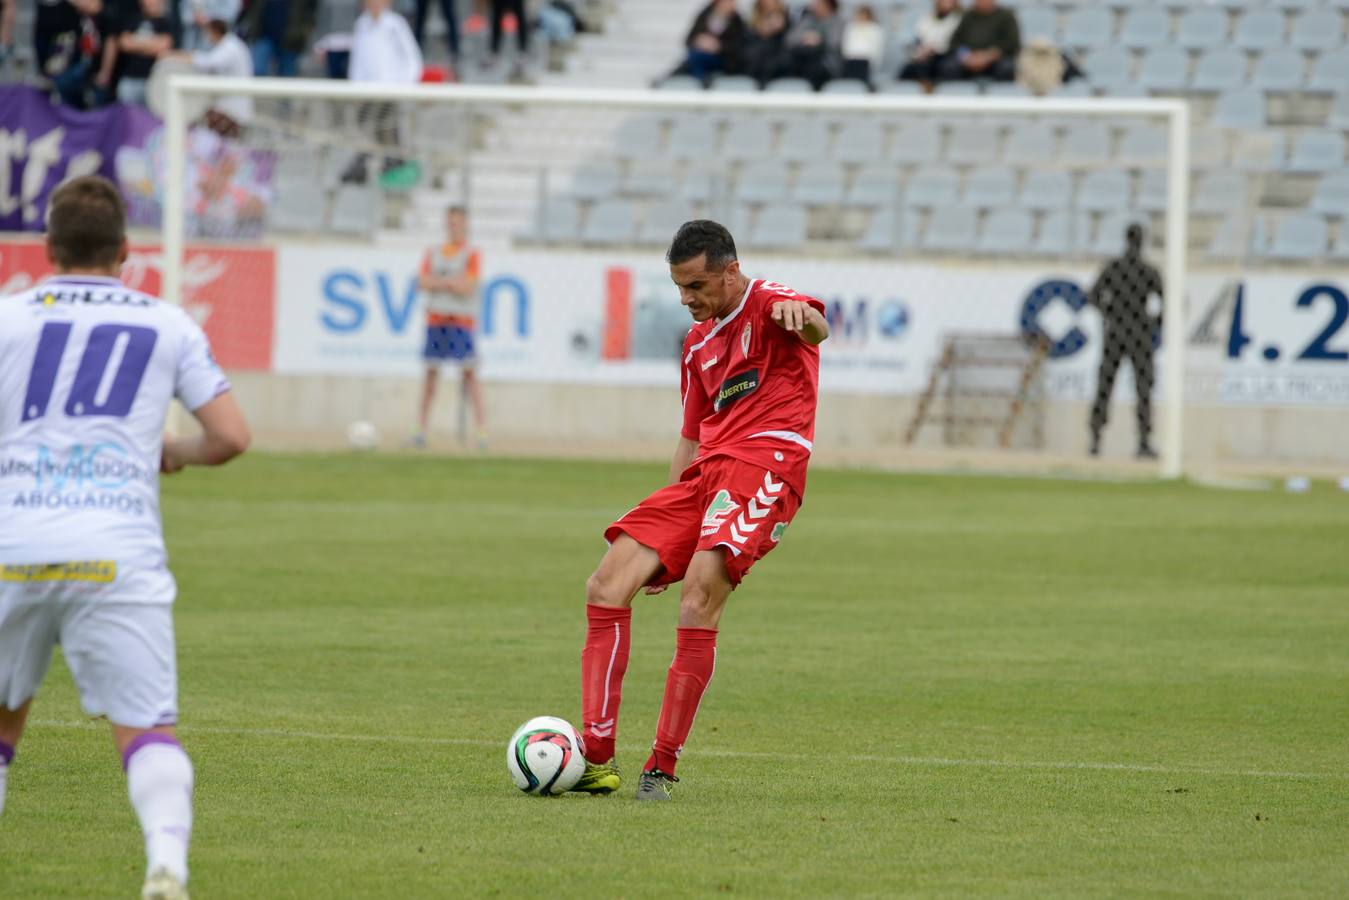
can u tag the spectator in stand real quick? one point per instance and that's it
(517, 9)
(451, 25)
(196, 17)
(279, 32)
(814, 45)
(383, 51)
(985, 45)
(228, 56)
(935, 29)
(714, 41)
(763, 45)
(66, 44)
(863, 44)
(132, 49)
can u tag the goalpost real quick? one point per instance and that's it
(553, 177)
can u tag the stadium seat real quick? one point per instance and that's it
(1046, 189)
(860, 142)
(692, 138)
(1237, 238)
(1220, 70)
(1078, 87)
(680, 83)
(1243, 108)
(735, 84)
(1279, 70)
(819, 184)
(890, 230)
(594, 181)
(1165, 69)
(916, 142)
(780, 227)
(763, 182)
(1299, 237)
(701, 184)
(745, 139)
(1317, 29)
(1103, 190)
(1058, 234)
(1110, 67)
(1332, 196)
(1298, 5)
(1151, 193)
(1144, 145)
(1340, 249)
(873, 186)
(1259, 151)
(1029, 144)
(972, 144)
(1006, 89)
(1145, 28)
(663, 219)
(356, 209)
(990, 187)
(1006, 231)
(298, 205)
(1331, 71)
(789, 86)
(1038, 22)
(650, 177)
(846, 86)
(931, 187)
(1202, 29)
(1108, 239)
(1260, 29)
(950, 229)
(1218, 193)
(558, 220)
(804, 140)
(610, 222)
(1338, 116)
(1316, 151)
(1089, 28)
(638, 138)
(899, 87)
(1086, 144)
(1209, 148)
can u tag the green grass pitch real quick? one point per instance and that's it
(937, 686)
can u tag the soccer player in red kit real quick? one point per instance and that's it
(749, 380)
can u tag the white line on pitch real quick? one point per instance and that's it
(936, 761)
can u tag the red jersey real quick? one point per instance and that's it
(750, 386)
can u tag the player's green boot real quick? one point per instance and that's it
(655, 785)
(599, 778)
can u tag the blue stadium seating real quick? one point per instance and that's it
(1302, 237)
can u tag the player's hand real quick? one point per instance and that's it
(791, 314)
(654, 589)
(170, 460)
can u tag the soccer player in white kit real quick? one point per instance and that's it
(88, 369)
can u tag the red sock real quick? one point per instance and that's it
(694, 662)
(603, 662)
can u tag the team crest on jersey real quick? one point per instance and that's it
(718, 511)
(778, 530)
(745, 336)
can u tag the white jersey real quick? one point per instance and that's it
(88, 368)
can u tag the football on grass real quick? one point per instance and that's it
(545, 757)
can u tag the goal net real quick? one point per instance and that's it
(1006, 277)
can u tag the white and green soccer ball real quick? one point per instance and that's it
(545, 756)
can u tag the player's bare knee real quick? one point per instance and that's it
(700, 605)
(604, 591)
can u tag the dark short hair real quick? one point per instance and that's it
(218, 27)
(459, 208)
(700, 236)
(86, 223)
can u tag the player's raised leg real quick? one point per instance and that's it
(625, 568)
(707, 585)
(159, 780)
(11, 729)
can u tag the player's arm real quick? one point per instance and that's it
(224, 435)
(802, 319)
(685, 452)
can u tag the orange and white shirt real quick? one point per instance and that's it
(451, 307)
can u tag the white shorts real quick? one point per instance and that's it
(121, 652)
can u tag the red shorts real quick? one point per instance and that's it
(720, 502)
